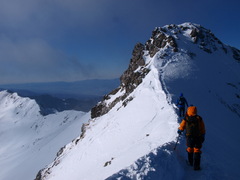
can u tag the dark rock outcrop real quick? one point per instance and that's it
(236, 54)
(160, 40)
(130, 79)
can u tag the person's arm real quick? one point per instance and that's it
(202, 127)
(182, 125)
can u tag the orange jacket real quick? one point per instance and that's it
(192, 111)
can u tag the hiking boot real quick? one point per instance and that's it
(190, 159)
(197, 159)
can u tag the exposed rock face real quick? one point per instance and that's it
(205, 39)
(130, 79)
(160, 40)
(209, 42)
(165, 37)
(236, 54)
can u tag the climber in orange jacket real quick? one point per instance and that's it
(195, 135)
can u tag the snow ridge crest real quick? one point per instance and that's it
(168, 40)
(169, 35)
(169, 49)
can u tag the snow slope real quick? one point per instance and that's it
(29, 140)
(136, 141)
(134, 135)
(210, 81)
(120, 137)
(213, 85)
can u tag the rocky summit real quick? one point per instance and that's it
(168, 39)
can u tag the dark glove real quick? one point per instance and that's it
(203, 138)
(179, 131)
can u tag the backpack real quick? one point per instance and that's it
(192, 126)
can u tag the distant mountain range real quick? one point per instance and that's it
(78, 89)
(60, 96)
(131, 133)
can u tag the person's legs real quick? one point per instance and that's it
(190, 150)
(190, 158)
(181, 112)
(197, 153)
(197, 159)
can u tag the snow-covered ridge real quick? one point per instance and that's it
(130, 80)
(190, 59)
(29, 141)
(172, 35)
(168, 44)
(133, 130)
(118, 138)
(22, 107)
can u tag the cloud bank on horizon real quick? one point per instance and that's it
(60, 40)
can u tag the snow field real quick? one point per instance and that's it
(30, 141)
(136, 141)
(122, 136)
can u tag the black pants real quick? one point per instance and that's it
(181, 112)
(194, 153)
(194, 144)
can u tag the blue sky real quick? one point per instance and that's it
(71, 40)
